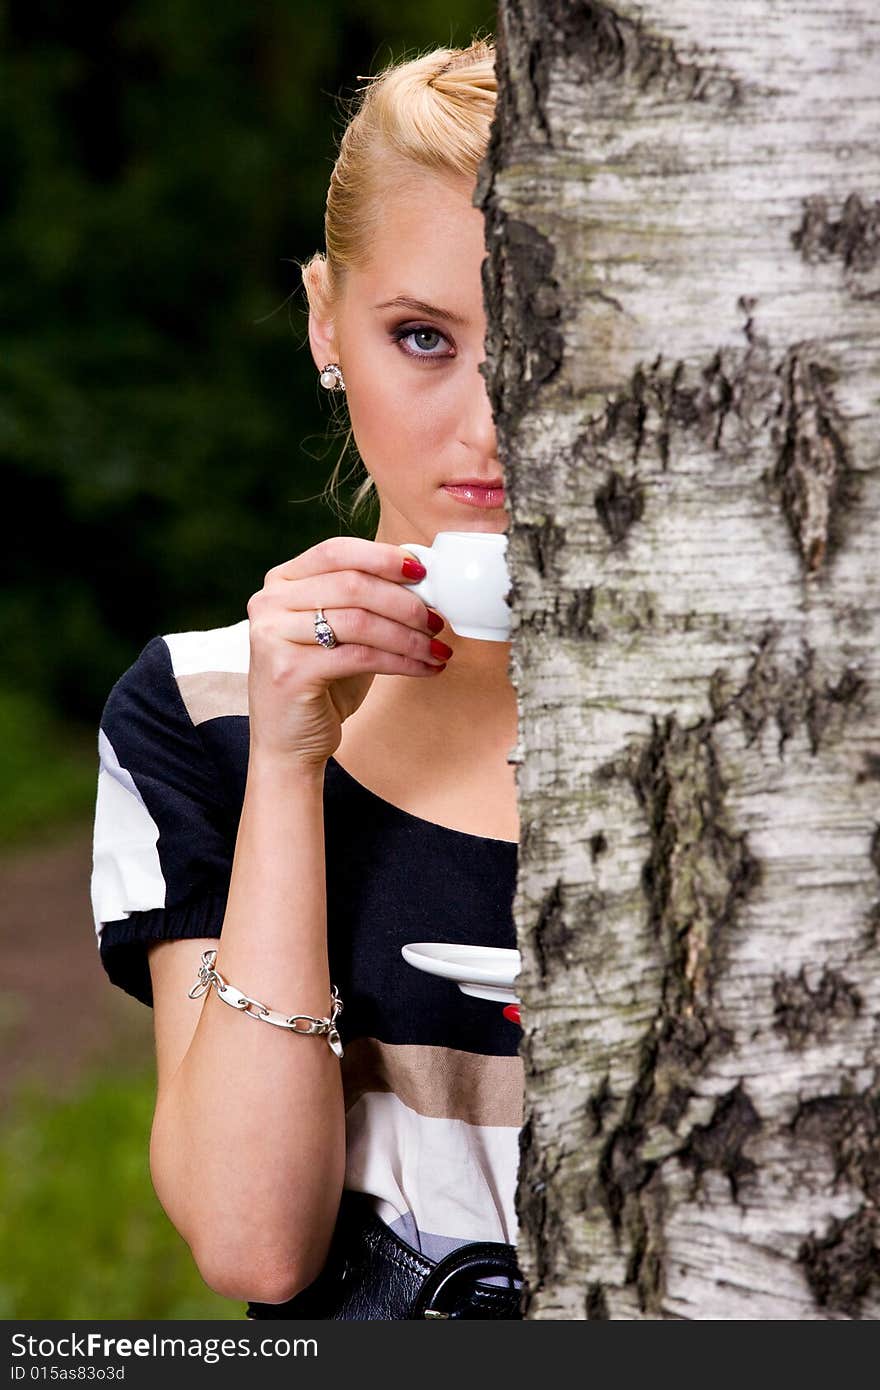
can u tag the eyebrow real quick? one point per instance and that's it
(405, 301)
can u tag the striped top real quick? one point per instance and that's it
(432, 1079)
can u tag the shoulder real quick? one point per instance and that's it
(199, 674)
(210, 670)
(164, 735)
(171, 782)
(209, 649)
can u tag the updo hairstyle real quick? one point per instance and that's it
(432, 113)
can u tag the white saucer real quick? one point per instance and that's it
(484, 972)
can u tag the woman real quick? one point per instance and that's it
(326, 781)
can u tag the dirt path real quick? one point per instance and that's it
(59, 1014)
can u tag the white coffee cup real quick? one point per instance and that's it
(467, 582)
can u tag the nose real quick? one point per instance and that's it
(478, 425)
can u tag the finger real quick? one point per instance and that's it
(346, 553)
(327, 664)
(355, 589)
(360, 626)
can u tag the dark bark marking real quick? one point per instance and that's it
(849, 689)
(765, 693)
(870, 771)
(803, 1015)
(813, 474)
(623, 1172)
(544, 542)
(536, 67)
(596, 1306)
(841, 1266)
(552, 932)
(630, 1186)
(790, 696)
(624, 417)
(525, 831)
(687, 1043)
(698, 869)
(693, 399)
(720, 1143)
(536, 1174)
(626, 1192)
(604, 299)
(848, 1125)
(853, 238)
(598, 1106)
(646, 1268)
(533, 1179)
(677, 1101)
(874, 850)
(519, 287)
(569, 614)
(609, 46)
(822, 704)
(519, 36)
(580, 604)
(697, 873)
(598, 845)
(619, 504)
(522, 90)
(721, 394)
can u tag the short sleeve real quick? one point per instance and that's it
(164, 832)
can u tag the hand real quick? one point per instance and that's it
(300, 693)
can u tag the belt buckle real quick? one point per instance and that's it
(476, 1259)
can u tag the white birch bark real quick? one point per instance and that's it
(683, 290)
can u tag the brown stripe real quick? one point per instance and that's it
(437, 1081)
(210, 694)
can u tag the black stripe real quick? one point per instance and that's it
(392, 877)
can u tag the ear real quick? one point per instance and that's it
(322, 340)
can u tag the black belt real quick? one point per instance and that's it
(370, 1273)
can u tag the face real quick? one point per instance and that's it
(418, 406)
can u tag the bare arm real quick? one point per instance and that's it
(248, 1144)
(247, 1151)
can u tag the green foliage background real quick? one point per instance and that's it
(163, 442)
(162, 437)
(81, 1231)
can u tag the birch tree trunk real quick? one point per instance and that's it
(683, 291)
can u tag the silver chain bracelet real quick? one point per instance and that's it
(208, 976)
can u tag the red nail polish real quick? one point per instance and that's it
(511, 1011)
(440, 649)
(413, 569)
(435, 622)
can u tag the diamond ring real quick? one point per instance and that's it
(324, 634)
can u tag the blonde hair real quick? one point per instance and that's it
(434, 112)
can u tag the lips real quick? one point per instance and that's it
(475, 482)
(474, 494)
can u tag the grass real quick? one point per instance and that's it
(82, 1233)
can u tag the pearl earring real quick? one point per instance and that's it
(331, 377)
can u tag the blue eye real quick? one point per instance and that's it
(421, 330)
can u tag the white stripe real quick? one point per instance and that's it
(457, 1179)
(126, 872)
(213, 649)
